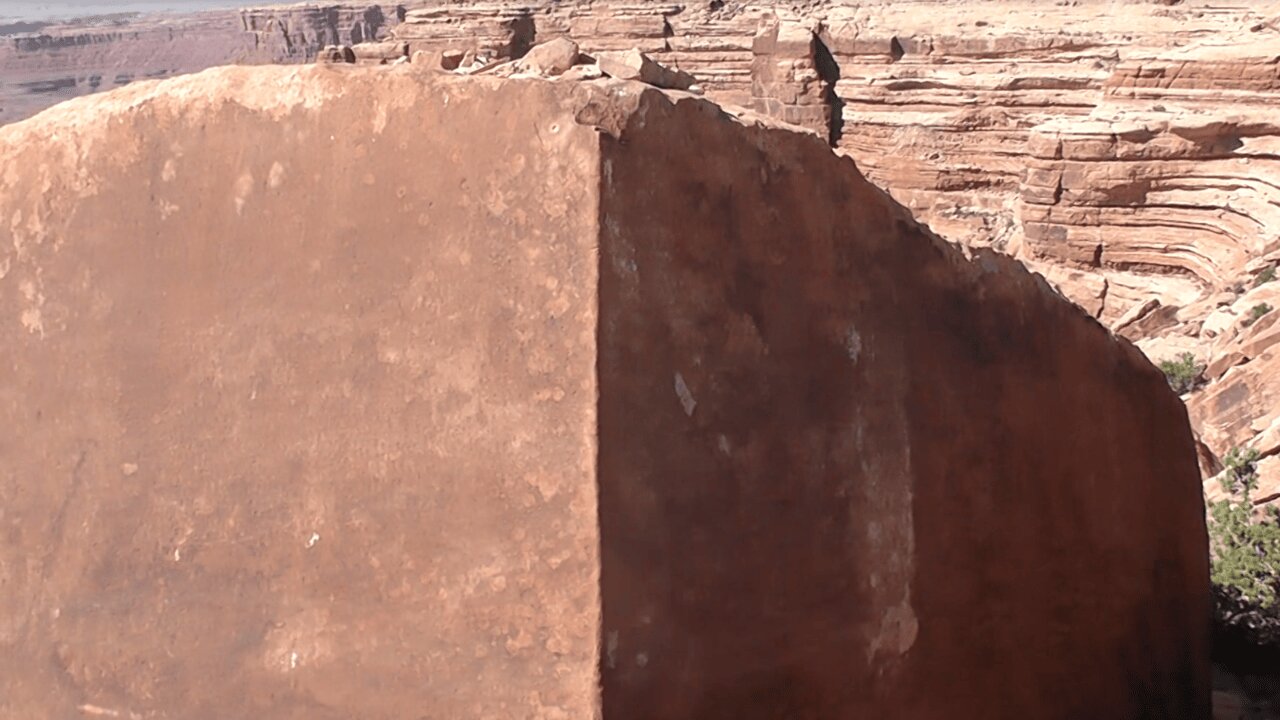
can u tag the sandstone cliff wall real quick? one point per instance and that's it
(283, 451)
(627, 407)
(57, 61)
(1127, 150)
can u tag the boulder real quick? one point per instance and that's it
(550, 58)
(380, 53)
(636, 65)
(452, 59)
(402, 394)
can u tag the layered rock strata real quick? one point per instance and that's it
(1128, 151)
(45, 63)
(631, 407)
(60, 61)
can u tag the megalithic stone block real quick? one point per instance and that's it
(339, 392)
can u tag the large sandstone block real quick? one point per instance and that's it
(349, 392)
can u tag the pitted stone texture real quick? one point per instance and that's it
(628, 408)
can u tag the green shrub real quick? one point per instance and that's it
(1183, 373)
(1267, 275)
(1240, 471)
(1244, 546)
(1256, 312)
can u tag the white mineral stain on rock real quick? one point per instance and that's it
(31, 317)
(686, 398)
(275, 178)
(99, 711)
(897, 632)
(32, 321)
(853, 343)
(546, 484)
(305, 638)
(886, 530)
(243, 187)
(611, 649)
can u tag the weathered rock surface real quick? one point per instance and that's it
(630, 407)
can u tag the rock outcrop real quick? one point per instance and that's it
(630, 407)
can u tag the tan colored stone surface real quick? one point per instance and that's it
(629, 407)
(298, 430)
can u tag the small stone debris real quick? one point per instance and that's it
(549, 59)
(562, 58)
(635, 65)
(380, 53)
(452, 59)
(583, 72)
(559, 57)
(370, 53)
(336, 55)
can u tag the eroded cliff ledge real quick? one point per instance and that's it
(372, 392)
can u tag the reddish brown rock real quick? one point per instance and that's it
(628, 408)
